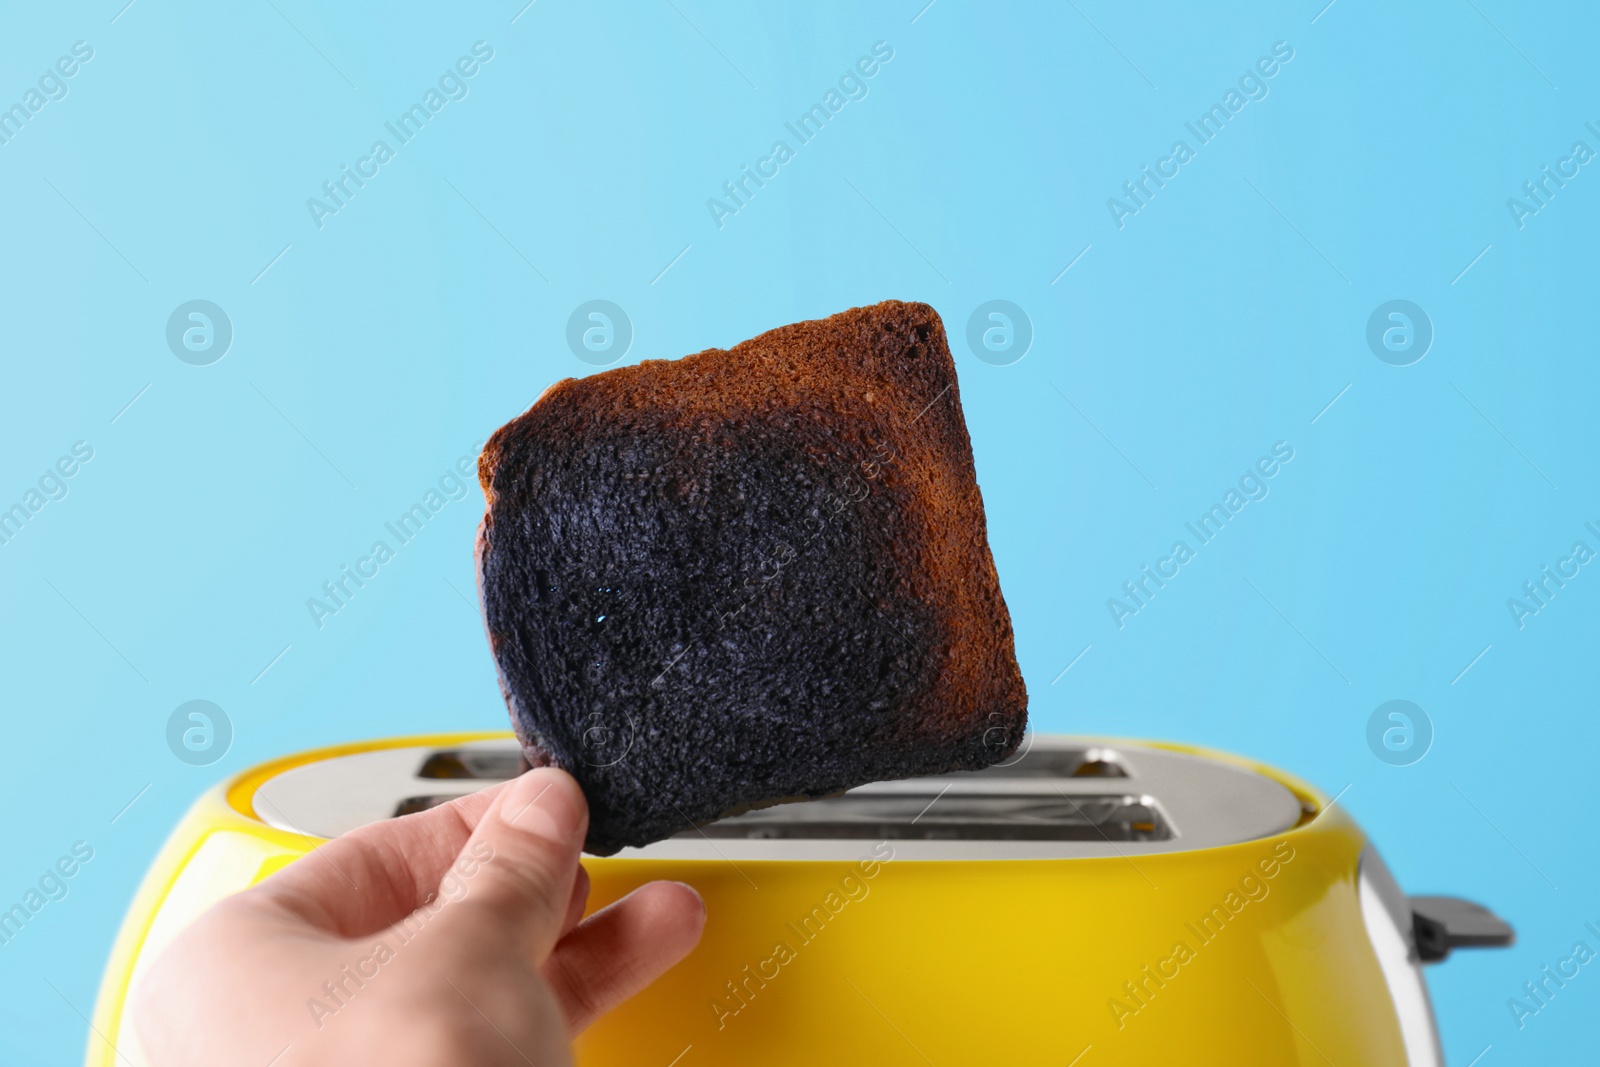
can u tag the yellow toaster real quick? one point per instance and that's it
(1090, 902)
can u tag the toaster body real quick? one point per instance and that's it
(1090, 902)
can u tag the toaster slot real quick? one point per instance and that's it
(412, 805)
(481, 763)
(954, 817)
(1040, 763)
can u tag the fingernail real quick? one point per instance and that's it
(697, 897)
(544, 802)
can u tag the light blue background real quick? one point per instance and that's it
(1223, 318)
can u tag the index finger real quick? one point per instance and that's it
(373, 877)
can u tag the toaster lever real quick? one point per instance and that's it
(1443, 923)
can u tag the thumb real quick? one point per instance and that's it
(529, 841)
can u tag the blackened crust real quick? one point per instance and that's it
(748, 574)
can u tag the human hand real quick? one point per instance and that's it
(451, 936)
